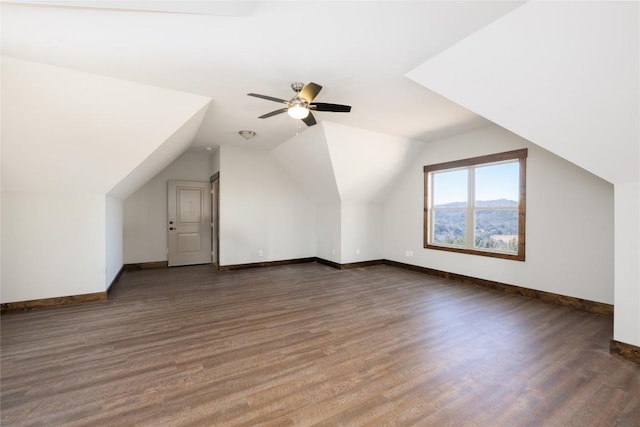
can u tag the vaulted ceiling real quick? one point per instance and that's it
(573, 88)
(358, 51)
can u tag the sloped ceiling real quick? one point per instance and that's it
(306, 158)
(359, 52)
(69, 131)
(564, 75)
(160, 158)
(366, 163)
(216, 8)
(338, 163)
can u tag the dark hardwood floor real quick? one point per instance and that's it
(308, 345)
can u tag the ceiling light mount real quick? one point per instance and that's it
(247, 134)
(297, 86)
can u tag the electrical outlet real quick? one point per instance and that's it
(357, 251)
(260, 253)
(333, 251)
(408, 253)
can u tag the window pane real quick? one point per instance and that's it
(497, 185)
(449, 226)
(497, 229)
(450, 188)
(477, 205)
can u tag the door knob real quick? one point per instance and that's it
(171, 228)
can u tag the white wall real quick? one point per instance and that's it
(68, 138)
(145, 211)
(361, 230)
(572, 89)
(215, 161)
(113, 239)
(329, 231)
(627, 263)
(347, 171)
(53, 244)
(366, 165)
(262, 209)
(569, 240)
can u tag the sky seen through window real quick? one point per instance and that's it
(493, 182)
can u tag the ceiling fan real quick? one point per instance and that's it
(301, 105)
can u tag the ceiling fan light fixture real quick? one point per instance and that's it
(298, 109)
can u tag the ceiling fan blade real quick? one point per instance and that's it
(310, 91)
(273, 113)
(336, 108)
(268, 98)
(309, 120)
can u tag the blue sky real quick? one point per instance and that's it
(492, 182)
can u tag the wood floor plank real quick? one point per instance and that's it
(306, 344)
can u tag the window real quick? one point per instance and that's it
(477, 206)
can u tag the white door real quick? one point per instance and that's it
(189, 225)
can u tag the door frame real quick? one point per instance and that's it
(215, 216)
